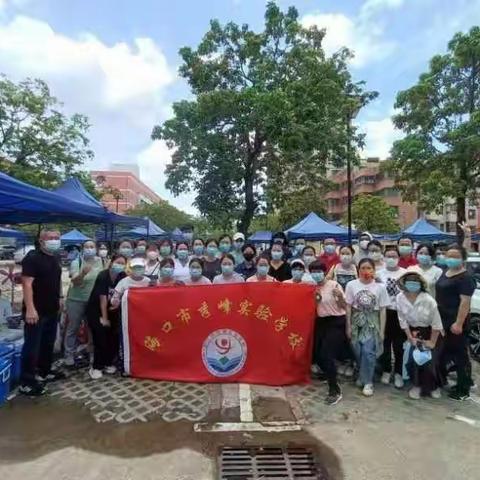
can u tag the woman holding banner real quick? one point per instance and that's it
(261, 274)
(228, 275)
(196, 273)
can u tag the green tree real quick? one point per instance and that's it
(439, 158)
(38, 143)
(164, 214)
(270, 109)
(372, 214)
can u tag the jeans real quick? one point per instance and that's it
(332, 338)
(76, 311)
(366, 354)
(37, 352)
(394, 340)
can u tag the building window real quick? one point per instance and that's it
(472, 213)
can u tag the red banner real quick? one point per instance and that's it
(251, 333)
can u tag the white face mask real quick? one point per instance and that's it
(364, 244)
(102, 253)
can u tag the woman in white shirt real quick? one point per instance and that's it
(228, 275)
(152, 267)
(182, 271)
(420, 320)
(261, 275)
(426, 266)
(394, 335)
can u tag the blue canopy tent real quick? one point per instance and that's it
(23, 203)
(421, 230)
(9, 233)
(177, 235)
(152, 230)
(262, 236)
(312, 227)
(74, 237)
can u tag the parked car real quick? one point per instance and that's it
(6, 252)
(473, 266)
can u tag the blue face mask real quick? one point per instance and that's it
(195, 272)
(424, 260)
(262, 270)
(141, 249)
(238, 245)
(125, 251)
(182, 254)
(89, 252)
(453, 262)
(227, 269)
(276, 255)
(166, 272)
(165, 251)
(413, 286)
(297, 275)
(225, 247)
(52, 245)
(405, 250)
(118, 268)
(440, 260)
(138, 271)
(198, 250)
(330, 249)
(318, 277)
(212, 251)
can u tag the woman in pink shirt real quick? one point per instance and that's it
(263, 265)
(330, 327)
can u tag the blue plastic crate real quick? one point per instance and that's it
(5, 370)
(16, 363)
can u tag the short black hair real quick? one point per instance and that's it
(428, 246)
(225, 236)
(211, 240)
(366, 260)
(167, 241)
(392, 248)
(347, 246)
(229, 256)
(376, 243)
(262, 257)
(167, 261)
(307, 247)
(404, 237)
(183, 243)
(317, 265)
(196, 260)
(459, 248)
(251, 246)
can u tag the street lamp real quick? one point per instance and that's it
(356, 105)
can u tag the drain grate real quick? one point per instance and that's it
(262, 463)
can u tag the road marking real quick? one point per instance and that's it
(247, 427)
(245, 396)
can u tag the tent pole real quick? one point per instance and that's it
(148, 229)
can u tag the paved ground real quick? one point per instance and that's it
(127, 429)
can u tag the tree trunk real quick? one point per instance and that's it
(460, 204)
(249, 211)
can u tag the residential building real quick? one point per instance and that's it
(446, 220)
(125, 189)
(368, 178)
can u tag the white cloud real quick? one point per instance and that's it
(152, 161)
(120, 87)
(380, 137)
(371, 7)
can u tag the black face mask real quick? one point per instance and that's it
(248, 256)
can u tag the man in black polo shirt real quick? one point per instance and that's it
(42, 294)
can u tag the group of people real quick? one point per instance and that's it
(396, 310)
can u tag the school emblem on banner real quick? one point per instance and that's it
(224, 353)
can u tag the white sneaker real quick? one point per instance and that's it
(368, 390)
(95, 374)
(398, 382)
(111, 370)
(385, 378)
(436, 394)
(414, 393)
(349, 371)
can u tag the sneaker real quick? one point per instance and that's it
(414, 393)
(349, 371)
(460, 397)
(368, 390)
(398, 382)
(333, 398)
(35, 390)
(53, 376)
(95, 374)
(436, 393)
(110, 370)
(385, 378)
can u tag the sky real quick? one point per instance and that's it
(116, 61)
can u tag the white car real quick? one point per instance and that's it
(473, 266)
(20, 253)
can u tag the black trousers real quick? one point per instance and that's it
(394, 339)
(426, 376)
(332, 337)
(37, 351)
(105, 342)
(455, 349)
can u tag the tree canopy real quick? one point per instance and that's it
(38, 143)
(372, 214)
(439, 157)
(269, 113)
